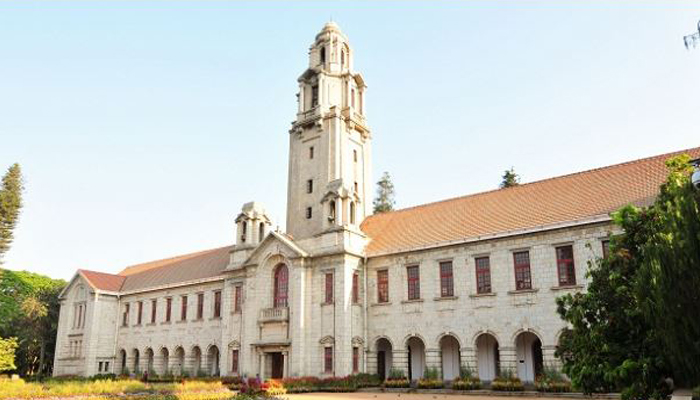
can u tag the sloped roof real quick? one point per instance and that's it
(567, 198)
(189, 267)
(102, 281)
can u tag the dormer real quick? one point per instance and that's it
(252, 225)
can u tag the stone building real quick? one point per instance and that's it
(469, 281)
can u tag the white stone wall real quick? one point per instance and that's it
(505, 313)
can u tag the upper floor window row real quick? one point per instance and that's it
(565, 265)
(216, 308)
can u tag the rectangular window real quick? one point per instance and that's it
(357, 188)
(308, 212)
(234, 361)
(327, 359)
(606, 248)
(310, 186)
(168, 308)
(217, 304)
(413, 275)
(125, 315)
(354, 155)
(200, 305)
(446, 279)
(483, 274)
(140, 313)
(314, 96)
(329, 288)
(383, 286)
(154, 307)
(355, 359)
(106, 366)
(521, 263)
(311, 152)
(237, 298)
(565, 266)
(183, 308)
(355, 288)
(99, 367)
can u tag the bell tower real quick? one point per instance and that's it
(329, 143)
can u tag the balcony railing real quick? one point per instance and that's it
(278, 314)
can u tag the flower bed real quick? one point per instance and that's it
(551, 380)
(397, 383)
(430, 384)
(466, 383)
(507, 384)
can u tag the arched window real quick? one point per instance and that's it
(281, 286)
(261, 232)
(331, 211)
(323, 55)
(352, 98)
(342, 58)
(244, 231)
(352, 212)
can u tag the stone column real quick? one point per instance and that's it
(508, 359)
(433, 359)
(548, 357)
(399, 360)
(285, 366)
(467, 358)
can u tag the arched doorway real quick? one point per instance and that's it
(449, 354)
(528, 348)
(281, 285)
(122, 361)
(149, 360)
(213, 361)
(384, 358)
(196, 361)
(137, 361)
(179, 365)
(416, 358)
(487, 357)
(164, 361)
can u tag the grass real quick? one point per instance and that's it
(128, 388)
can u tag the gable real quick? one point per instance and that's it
(275, 243)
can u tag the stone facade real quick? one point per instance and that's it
(307, 302)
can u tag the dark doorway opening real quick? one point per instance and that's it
(277, 365)
(381, 365)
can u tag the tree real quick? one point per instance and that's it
(29, 310)
(7, 354)
(510, 179)
(670, 273)
(636, 326)
(385, 195)
(10, 205)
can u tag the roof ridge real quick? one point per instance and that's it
(639, 160)
(165, 261)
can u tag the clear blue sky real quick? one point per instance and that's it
(143, 127)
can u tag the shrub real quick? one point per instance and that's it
(363, 380)
(430, 384)
(396, 373)
(551, 380)
(465, 371)
(507, 381)
(397, 383)
(466, 383)
(302, 384)
(334, 384)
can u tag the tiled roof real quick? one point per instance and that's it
(102, 281)
(201, 265)
(567, 198)
(188, 267)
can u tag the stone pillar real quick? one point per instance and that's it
(467, 358)
(508, 359)
(548, 357)
(371, 362)
(433, 359)
(400, 360)
(285, 366)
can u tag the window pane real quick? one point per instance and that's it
(565, 266)
(413, 282)
(383, 286)
(521, 262)
(483, 275)
(446, 279)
